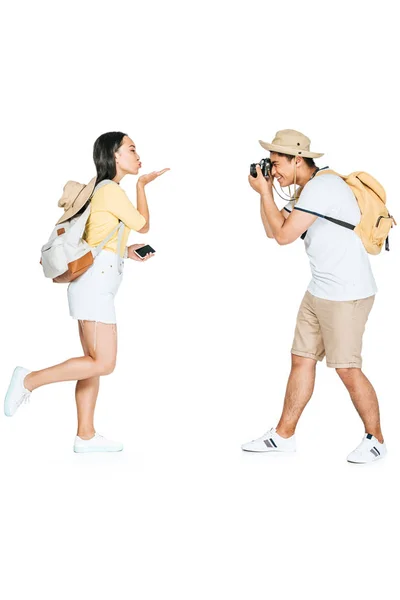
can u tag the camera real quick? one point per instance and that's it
(265, 166)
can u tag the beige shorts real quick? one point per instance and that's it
(332, 328)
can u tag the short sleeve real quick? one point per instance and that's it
(317, 196)
(117, 203)
(289, 206)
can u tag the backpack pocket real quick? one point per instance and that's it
(53, 260)
(381, 229)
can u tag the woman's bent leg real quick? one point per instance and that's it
(102, 347)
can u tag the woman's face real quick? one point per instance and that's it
(127, 159)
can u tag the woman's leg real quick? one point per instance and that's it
(86, 392)
(102, 348)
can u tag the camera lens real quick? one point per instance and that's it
(253, 171)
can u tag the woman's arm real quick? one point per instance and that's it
(142, 205)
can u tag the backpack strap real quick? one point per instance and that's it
(331, 219)
(120, 228)
(96, 251)
(341, 223)
(120, 234)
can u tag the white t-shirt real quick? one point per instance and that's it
(339, 263)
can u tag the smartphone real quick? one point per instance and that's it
(143, 251)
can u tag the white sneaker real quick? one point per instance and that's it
(271, 442)
(16, 393)
(368, 451)
(98, 443)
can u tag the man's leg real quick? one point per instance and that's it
(307, 349)
(299, 390)
(364, 399)
(343, 325)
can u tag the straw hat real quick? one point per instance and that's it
(289, 141)
(75, 197)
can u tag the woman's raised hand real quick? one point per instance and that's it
(145, 179)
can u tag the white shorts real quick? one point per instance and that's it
(91, 296)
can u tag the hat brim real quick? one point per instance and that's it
(289, 150)
(84, 195)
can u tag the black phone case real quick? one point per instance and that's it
(145, 250)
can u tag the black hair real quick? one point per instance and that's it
(103, 154)
(309, 161)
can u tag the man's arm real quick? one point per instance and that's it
(285, 231)
(267, 227)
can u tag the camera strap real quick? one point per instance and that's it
(291, 196)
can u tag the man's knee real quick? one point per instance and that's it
(348, 373)
(303, 362)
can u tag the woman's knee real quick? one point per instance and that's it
(105, 367)
(99, 341)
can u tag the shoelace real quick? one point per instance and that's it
(359, 448)
(269, 432)
(25, 398)
(266, 434)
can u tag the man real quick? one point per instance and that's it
(332, 316)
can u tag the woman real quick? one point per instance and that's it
(91, 296)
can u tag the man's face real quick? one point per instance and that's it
(282, 169)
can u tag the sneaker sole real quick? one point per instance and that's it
(100, 449)
(369, 462)
(267, 451)
(10, 390)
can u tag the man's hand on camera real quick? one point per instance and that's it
(260, 184)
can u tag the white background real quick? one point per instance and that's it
(205, 328)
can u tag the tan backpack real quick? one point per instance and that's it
(376, 221)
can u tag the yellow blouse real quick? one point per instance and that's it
(109, 205)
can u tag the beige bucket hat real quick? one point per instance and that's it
(289, 141)
(75, 197)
